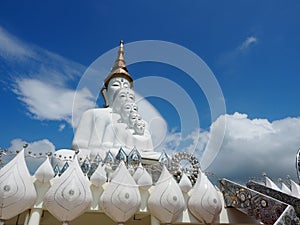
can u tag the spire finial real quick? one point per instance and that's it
(120, 56)
(119, 68)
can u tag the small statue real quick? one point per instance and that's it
(139, 127)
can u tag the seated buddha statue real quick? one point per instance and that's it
(103, 129)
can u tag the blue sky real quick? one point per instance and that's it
(252, 47)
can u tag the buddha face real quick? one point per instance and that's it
(139, 127)
(133, 118)
(114, 85)
(126, 109)
(121, 97)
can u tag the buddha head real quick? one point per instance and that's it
(139, 127)
(133, 118)
(122, 96)
(126, 109)
(114, 85)
(118, 78)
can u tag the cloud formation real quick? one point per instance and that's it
(13, 49)
(233, 55)
(41, 80)
(46, 101)
(250, 147)
(248, 42)
(254, 146)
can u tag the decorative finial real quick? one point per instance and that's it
(119, 69)
(120, 61)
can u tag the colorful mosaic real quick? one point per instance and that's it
(288, 199)
(261, 207)
(288, 217)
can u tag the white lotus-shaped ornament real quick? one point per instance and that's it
(166, 201)
(99, 176)
(17, 192)
(204, 202)
(142, 178)
(121, 198)
(138, 172)
(185, 183)
(45, 172)
(70, 195)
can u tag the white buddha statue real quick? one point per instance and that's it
(116, 134)
(115, 126)
(93, 122)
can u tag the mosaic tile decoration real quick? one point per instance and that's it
(288, 217)
(259, 206)
(288, 199)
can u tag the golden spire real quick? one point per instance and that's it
(119, 69)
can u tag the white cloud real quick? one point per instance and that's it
(62, 127)
(247, 43)
(232, 56)
(250, 147)
(42, 146)
(27, 59)
(41, 80)
(254, 146)
(12, 48)
(46, 101)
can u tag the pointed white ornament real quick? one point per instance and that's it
(166, 201)
(142, 178)
(138, 172)
(99, 176)
(285, 189)
(271, 184)
(45, 172)
(70, 196)
(185, 183)
(295, 189)
(121, 198)
(204, 202)
(17, 192)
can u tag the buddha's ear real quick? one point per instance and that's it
(104, 95)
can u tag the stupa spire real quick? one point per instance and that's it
(119, 69)
(120, 61)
